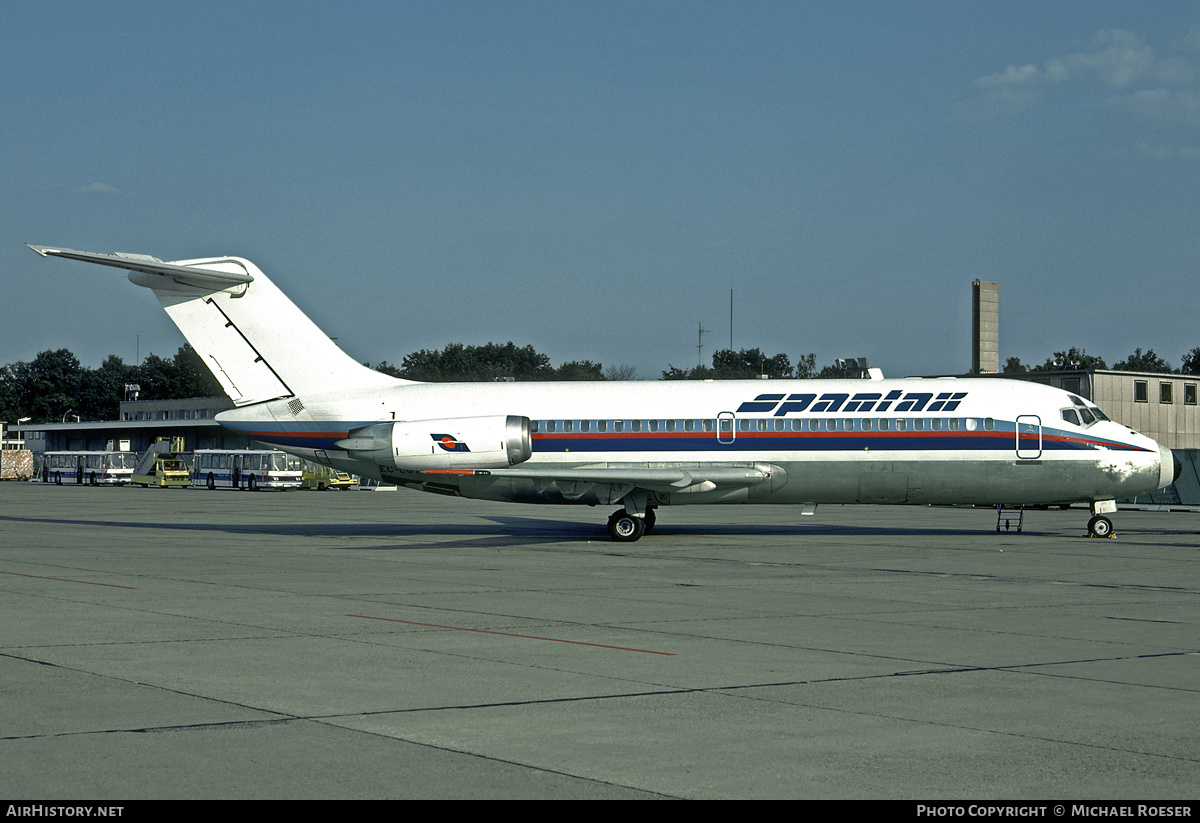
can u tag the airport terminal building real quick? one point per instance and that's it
(141, 423)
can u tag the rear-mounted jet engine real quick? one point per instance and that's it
(447, 443)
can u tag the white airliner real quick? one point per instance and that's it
(642, 445)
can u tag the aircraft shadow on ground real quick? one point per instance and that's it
(508, 529)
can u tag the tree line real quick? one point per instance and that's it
(492, 361)
(1074, 358)
(54, 384)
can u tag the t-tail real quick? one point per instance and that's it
(253, 339)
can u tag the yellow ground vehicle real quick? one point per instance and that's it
(161, 465)
(321, 477)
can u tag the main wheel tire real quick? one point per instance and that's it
(212, 482)
(1100, 526)
(625, 528)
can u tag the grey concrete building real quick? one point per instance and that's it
(985, 327)
(141, 423)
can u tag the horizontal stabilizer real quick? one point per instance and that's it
(203, 279)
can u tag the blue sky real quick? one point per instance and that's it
(591, 178)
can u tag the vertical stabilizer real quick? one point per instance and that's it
(256, 342)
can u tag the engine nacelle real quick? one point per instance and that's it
(446, 443)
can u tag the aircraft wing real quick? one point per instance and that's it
(207, 279)
(577, 478)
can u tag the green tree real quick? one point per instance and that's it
(47, 387)
(157, 377)
(459, 363)
(748, 364)
(54, 383)
(1014, 366)
(833, 372)
(1148, 362)
(621, 372)
(806, 366)
(1072, 358)
(1191, 362)
(194, 378)
(580, 370)
(745, 364)
(9, 408)
(696, 373)
(102, 390)
(384, 367)
(184, 375)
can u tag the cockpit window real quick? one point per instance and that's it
(1087, 413)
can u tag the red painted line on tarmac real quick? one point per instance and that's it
(509, 634)
(68, 580)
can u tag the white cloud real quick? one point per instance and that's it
(1014, 89)
(1011, 76)
(1191, 40)
(1118, 60)
(1164, 105)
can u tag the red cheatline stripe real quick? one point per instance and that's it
(68, 580)
(509, 634)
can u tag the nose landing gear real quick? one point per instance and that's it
(1100, 526)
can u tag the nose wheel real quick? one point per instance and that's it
(1100, 526)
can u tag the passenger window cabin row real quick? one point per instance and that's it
(763, 424)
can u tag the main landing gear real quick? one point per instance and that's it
(624, 527)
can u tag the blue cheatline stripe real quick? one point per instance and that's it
(1001, 439)
(801, 442)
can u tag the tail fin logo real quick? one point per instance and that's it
(447, 442)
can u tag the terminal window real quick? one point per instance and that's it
(1189, 394)
(1140, 391)
(1164, 393)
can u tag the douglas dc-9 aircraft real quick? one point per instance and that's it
(642, 445)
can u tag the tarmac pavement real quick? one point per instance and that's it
(178, 643)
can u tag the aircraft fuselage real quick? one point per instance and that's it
(806, 441)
